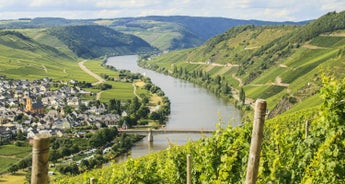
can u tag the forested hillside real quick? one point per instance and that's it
(96, 41)
(163, 32)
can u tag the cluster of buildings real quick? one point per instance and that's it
(32, 107)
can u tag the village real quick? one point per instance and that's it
(31, 107)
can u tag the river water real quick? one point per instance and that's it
(192, 107)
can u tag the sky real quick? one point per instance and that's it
(271, 10)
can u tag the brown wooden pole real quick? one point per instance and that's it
(306, 128)
(255, 144)
(92, 180)
(40, 155)
(189, 170)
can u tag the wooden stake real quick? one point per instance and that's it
(40, 155)
(306, 128)
(189, 170)
(255, 144)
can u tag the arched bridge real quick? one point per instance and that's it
(150, 132)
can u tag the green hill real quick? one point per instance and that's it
(179, 32)
(96, 41)
(163, 32)
(282, 64)
(303, 145)
(21, 57)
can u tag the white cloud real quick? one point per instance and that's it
(277, 10)
(332, 5)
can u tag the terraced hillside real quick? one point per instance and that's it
(282, 64)
(22, 57)
(54, 52)
(296, 70)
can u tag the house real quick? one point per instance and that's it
(124, 114)
(5, 134)
(61, 124)
(31, 132)
(124, 126)
(73, 102)
(111, 119)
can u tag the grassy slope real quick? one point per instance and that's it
(32, 57)
(10, 154)
(298, 73)
(288, 156)
(159, 34)
(28, 59)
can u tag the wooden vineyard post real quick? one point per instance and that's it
(40, 155)
(306, 128)
(255, 144)
(189, 170)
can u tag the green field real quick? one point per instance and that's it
(121, 91)
(10, 154)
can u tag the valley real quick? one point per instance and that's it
(297, 68)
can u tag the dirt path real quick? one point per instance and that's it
(278, 82)
(283, 66)
(83, 67)
(334, 35)
(238, 79)
(214, 64)
(251, 48)
(135, 91)
(98, 96)
(309, 46)
(45, 68)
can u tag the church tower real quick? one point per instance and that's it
(28, 107)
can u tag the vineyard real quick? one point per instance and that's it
(302, 147)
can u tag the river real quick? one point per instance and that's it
(192, 107)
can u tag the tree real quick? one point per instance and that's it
(242, 96)
(13, 169)
(115, 105)
(20, 135)
(68, 109)
(54, 156)
(143, 111)
(134, 106)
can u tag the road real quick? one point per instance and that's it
(97, 77)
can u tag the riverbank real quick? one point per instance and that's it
(192, 107)
(217, 86)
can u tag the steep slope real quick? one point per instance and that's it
(178, 32)
(282, 64)
(22, 57)
(95, 41)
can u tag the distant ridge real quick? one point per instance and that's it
(92, 41)
(163, 32)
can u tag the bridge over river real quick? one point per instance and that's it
(150, 132)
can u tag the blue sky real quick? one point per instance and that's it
(274, 10)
